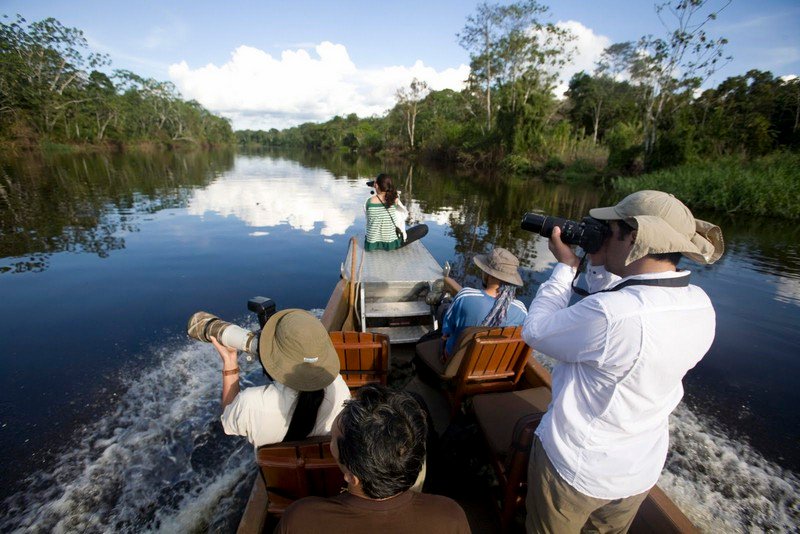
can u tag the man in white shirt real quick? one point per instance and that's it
(621, 355)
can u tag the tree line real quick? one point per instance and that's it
(641, 108)
(53, 89)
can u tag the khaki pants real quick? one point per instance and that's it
(556, 507)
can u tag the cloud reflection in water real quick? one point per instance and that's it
(301, 200)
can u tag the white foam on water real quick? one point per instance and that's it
(156, 461)
(722, 484)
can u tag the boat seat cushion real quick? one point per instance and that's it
(497, 413)
(430, 352)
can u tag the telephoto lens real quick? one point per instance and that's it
(589, 234)
(203, 326)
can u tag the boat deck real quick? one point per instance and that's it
(410, 264)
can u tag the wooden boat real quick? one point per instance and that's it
(419, 275)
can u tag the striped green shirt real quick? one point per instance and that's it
(381, 233)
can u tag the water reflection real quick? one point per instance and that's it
(86, 203)
(264, 193)
(200, 253)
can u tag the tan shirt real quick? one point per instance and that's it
(409, 512)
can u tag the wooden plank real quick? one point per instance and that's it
(659, 514)
(336, 309)
(255, 512)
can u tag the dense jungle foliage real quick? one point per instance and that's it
(640, 109)
(52, 91)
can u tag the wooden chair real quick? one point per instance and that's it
(364, 357)
(508, 422)
(485, 360)
(292, 470)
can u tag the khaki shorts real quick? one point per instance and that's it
(556, 507)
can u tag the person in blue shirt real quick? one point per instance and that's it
(494, 305)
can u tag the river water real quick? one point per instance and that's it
(108, 413)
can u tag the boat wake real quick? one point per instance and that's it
(723, 484)
(158, 461)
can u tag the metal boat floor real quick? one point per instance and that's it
(402, 334)
(411, 263)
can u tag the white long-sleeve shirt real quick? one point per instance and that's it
(262, 414)
(621, 358)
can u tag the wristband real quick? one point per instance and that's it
(229, 372)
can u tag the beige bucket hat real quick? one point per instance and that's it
(296, 350)
(501, 264)
(664, 224)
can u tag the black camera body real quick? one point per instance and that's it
(589, 234)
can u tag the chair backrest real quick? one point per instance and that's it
(295, 469)
(493, 355)
(493, 360)
(363, 357)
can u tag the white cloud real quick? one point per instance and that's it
(588, 48)
(260, 91)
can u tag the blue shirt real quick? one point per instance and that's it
(470, 308)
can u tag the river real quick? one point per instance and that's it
(108, 413)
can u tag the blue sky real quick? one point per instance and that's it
(278, 63)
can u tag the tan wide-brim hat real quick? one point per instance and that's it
(664, 224)
(296, 350)
(501, 264)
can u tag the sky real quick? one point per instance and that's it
(275, 64)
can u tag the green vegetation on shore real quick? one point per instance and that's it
(639, 111)
(768, 186)
(53, 96)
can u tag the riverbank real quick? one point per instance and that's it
(147, 147)
(766, 186)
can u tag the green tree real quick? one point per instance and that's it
(409, 100)
(511, 48)
(666, 67)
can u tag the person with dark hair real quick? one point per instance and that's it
(379, 442)
(386, 218)
(304, 393)
(621, 356)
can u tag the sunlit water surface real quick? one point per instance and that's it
(109, 415)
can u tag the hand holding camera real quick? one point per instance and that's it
(561, 250)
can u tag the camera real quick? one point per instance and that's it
(589, 234)
(371, 183)
(203, 326)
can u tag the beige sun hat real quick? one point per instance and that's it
(501, 264)
(296, 350)
(664, 224)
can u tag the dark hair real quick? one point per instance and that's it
(625, 230)
(305, 414)
(386, 185)
(382, 442)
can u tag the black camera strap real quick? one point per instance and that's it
(397, 231)
(682, 281)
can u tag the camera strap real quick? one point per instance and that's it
(397, 231)
(682, 281)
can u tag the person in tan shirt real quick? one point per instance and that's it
(379, 442)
